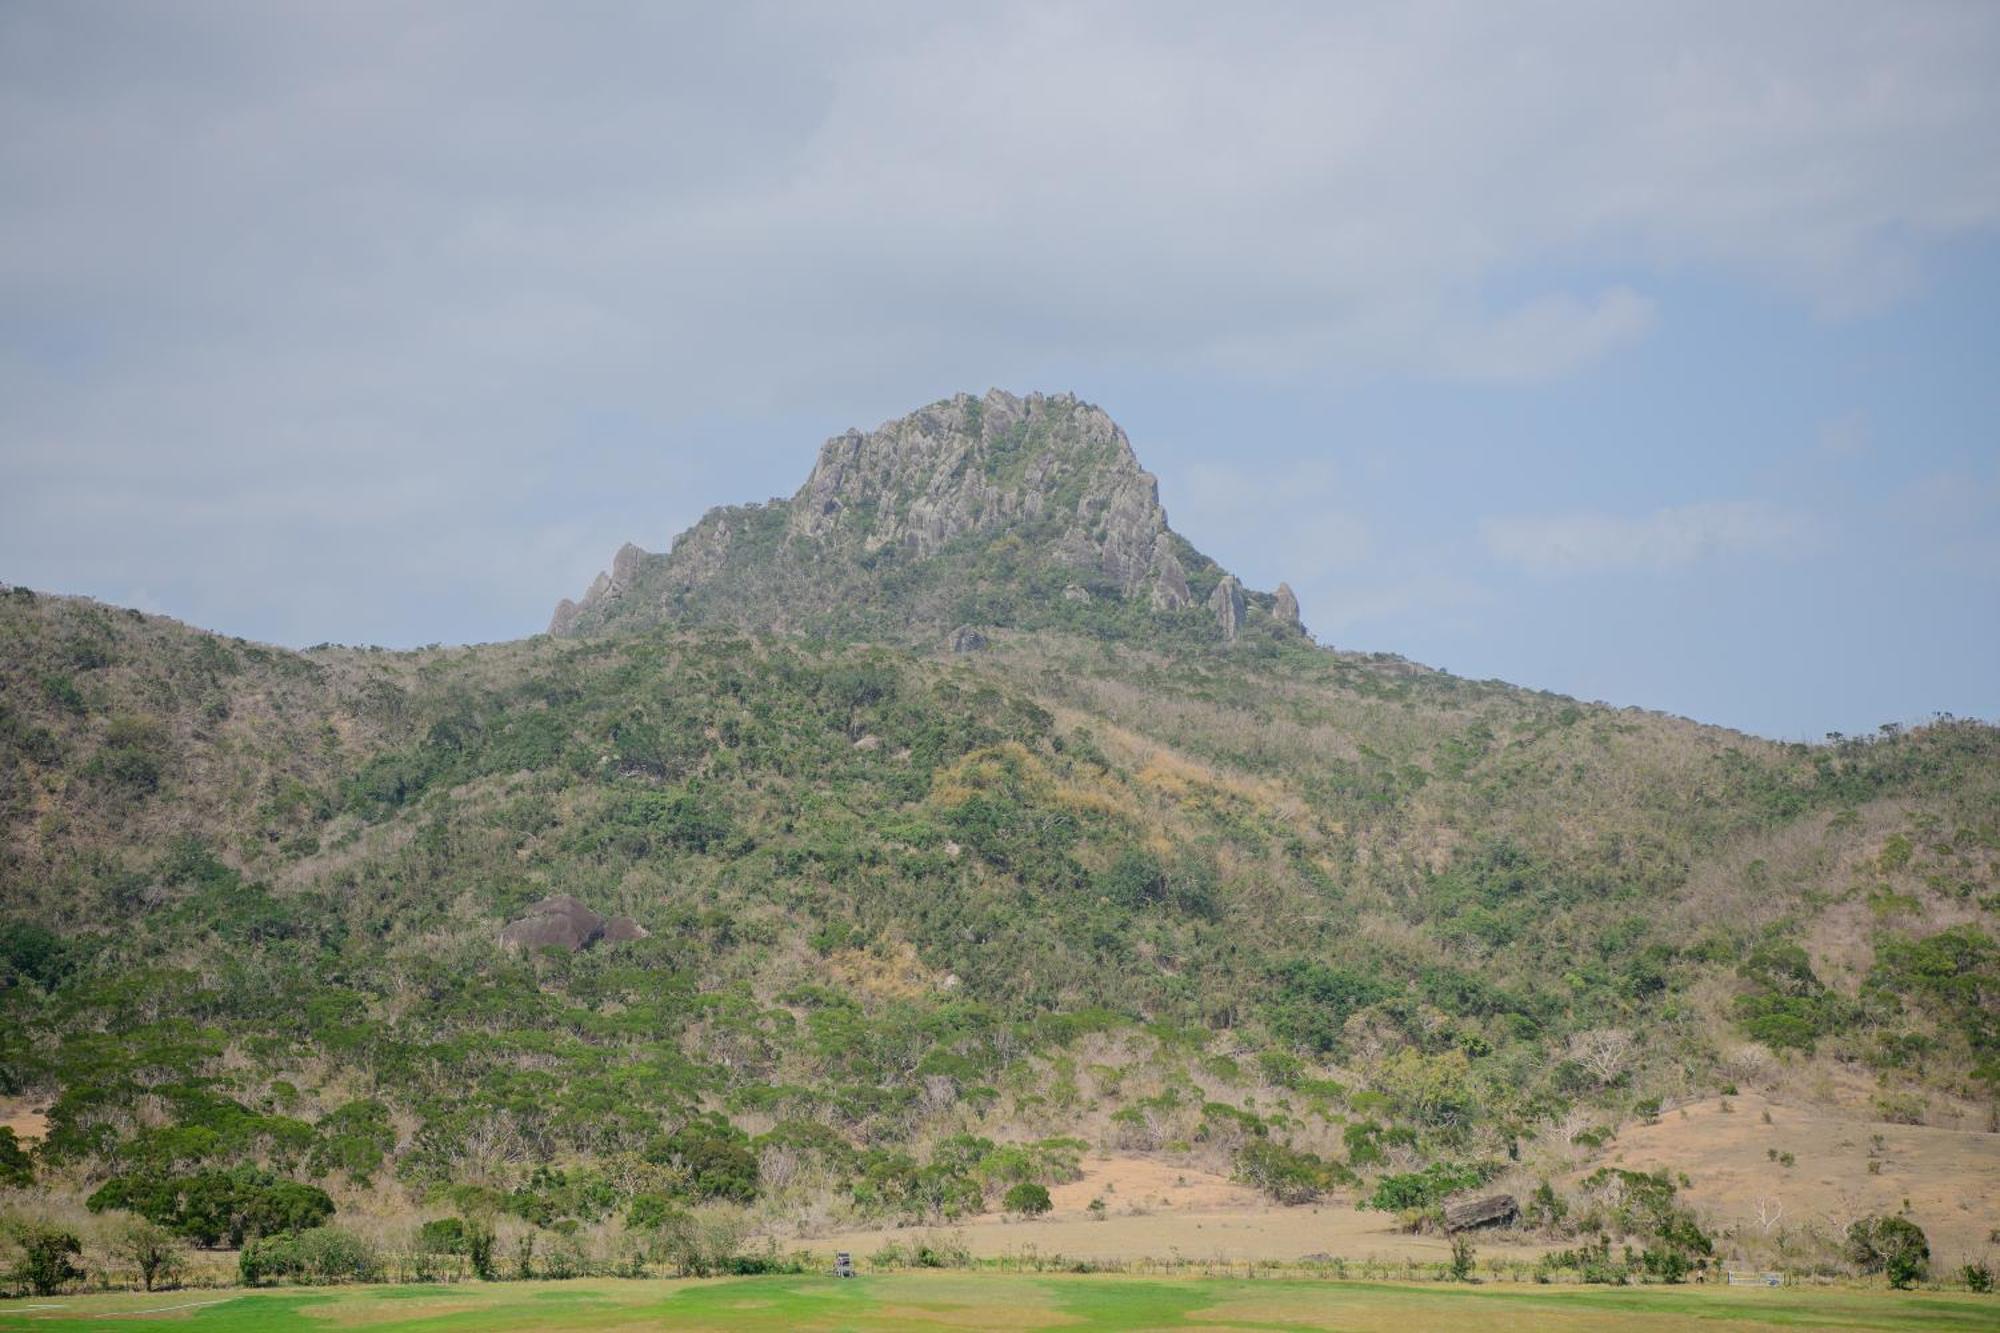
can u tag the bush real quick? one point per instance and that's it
(697, 1245)
(1028, 1199)
(315, 1257)
(479, 1249)
(48, 1258)
(1425, 1188)
(923, 1252)
(1892, 1246)
(442, 1235)
(1288, 1174)
(155, 1251)
(1461, 1258)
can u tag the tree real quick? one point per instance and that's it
(1028, 1199)
(1605, 1052)
(155, 1251)
(1895, 1247)
(17, 1169)
(48, 1258)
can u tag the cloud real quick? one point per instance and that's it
(1665, 540)
(412, 261)
(1546, 338)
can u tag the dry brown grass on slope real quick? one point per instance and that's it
(1950, 1179)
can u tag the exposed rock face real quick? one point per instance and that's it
(1285, 606)
(969, 465)
(966, 639)
(560, 922)
(999, 497)
(623, 930)
(1495, 1210)
(1170, 587)
(564, 620)
(1227, 603)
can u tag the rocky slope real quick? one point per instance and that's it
(998, 510)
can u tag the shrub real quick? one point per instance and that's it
(1028, 1199)
(697, 1245)
(48, 1257)
(315, 1257)
(1422, 1189)
(479, 1249)
(152, 1249)
(1461, 1258)
(1287, 1174)
(442, 1235)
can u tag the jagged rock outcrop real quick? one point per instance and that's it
(560, 922)
(1170, 585)
(1285, 606)
(1015, 504)
(1228, 605)
(970, 465)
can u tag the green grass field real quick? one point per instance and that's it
(978, 1301)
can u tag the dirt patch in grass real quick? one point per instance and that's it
(28, 1125)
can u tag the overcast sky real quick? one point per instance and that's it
(1644, 353)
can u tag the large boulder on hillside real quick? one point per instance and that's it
(623, 930)
(560, 922)
(1495, 1210)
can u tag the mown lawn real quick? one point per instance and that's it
(984, 1300)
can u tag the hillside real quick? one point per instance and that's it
(1138, 872)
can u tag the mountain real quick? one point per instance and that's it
(1027, 512)
(745, 892)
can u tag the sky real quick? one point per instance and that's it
(1648, 354)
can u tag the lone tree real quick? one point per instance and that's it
(1028, 1199)
(155, 1251)
(1896, 1247)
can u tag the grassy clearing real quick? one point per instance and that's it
(965, 1301)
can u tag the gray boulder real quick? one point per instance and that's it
(966, 639)
(560, 922)
(623, 930)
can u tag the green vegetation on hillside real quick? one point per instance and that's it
(920, 929)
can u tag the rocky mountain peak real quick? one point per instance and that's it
(970, 465)
(997, 508)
